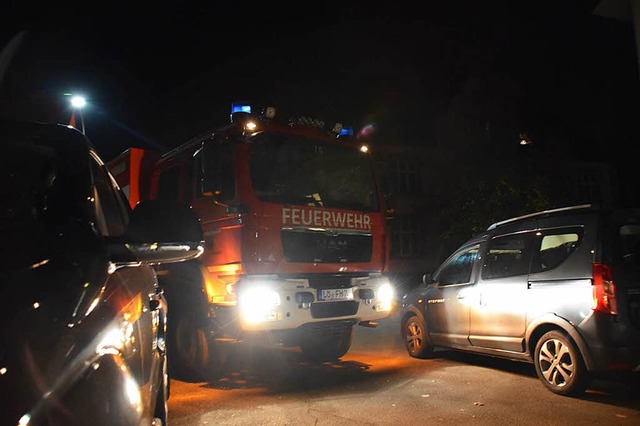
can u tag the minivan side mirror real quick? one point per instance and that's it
(161, 232)
(427, 279)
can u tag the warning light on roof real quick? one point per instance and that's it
(345, 131)
(271, 112)
(240, 107)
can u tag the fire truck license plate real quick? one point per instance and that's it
(336, 294)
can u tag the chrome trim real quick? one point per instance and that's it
(541, 213)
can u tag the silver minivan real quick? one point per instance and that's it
(558, 288)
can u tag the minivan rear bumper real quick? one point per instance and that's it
(614, 359)
(608, 344)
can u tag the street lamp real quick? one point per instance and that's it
(78, 102)
(524, 139)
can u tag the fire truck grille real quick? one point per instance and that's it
(333, 309)
(323, 247)
(332, 281)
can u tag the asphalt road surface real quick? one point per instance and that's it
(377, 383)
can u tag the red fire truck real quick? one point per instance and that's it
(295, 243)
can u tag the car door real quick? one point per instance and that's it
(449, 297)
(560, 281)
(498, 320)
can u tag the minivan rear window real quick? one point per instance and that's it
(554, 249)
(554, 246)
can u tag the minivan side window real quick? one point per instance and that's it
(458, 269)
(507, 256)
(555, 247)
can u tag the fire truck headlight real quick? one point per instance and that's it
(385, 296)
(258, 304)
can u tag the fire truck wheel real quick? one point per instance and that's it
(190, 349)
(323, 347)
(195, 356)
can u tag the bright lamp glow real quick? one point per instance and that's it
(258, 304)
(385, 297)
(78, 101)
(385, 292)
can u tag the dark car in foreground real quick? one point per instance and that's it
(82, 319)
(559, 289)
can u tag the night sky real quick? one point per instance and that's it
(156, 76)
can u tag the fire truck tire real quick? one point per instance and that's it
(190, 349)
(197, 357)
(194, 353)
(323, 348)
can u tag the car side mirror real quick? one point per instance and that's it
(427, 279)
(163, 232)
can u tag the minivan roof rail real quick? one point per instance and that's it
(541, 213)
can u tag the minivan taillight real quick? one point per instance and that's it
(604, 295)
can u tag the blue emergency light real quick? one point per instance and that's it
(240, 107)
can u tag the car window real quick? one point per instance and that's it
(109, 209)
(216, 162)
(627, 247)
(629, 238)
(458, 269)
(555, 247)
(507, 256)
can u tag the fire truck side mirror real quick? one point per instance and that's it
(211, 170)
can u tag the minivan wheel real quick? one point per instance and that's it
(559, 364)
(415, 336)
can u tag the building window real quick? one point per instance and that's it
(405, 237)
(402, 176)
(592, 182)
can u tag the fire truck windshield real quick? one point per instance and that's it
(296, 170)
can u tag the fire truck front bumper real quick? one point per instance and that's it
(270, 303)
